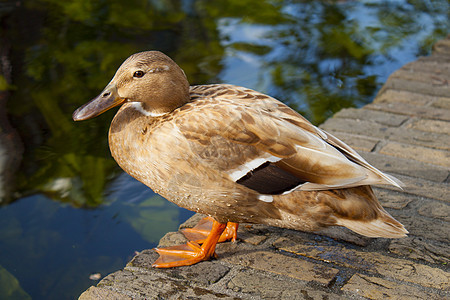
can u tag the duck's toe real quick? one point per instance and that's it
(190, 253)
(200, 232)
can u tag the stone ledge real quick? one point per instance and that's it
(292, 267)
(430, 126)
(384, 132)
(419, 248)
(392, 120)
(428, 112)
(378, 288)
(267, 287)
(418, 153)
(408, 167)
(370, 262)
(422, 187)
(405, 97)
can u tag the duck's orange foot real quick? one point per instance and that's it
(190, 253)
(181, 255)
(200, 232)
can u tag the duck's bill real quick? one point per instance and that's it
(106, 100)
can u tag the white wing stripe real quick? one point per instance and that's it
(265, 198)
(251, 165)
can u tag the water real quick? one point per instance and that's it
(68, 211)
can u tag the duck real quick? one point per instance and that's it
(235, 155)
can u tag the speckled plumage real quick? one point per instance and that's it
(212, 148)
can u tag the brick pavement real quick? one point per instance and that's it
(405, 132)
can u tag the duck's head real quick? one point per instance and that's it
(150, 80)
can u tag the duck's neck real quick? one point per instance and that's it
(170, 96)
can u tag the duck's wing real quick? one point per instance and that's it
(269, 147)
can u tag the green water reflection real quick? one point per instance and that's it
(68, 210)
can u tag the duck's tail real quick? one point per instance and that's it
(384, 226)
(359, 210)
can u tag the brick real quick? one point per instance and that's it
(172, 239)
(356, 127)
(292, 267)
(370, 262)
(358, 142)
(257, 234)
(144, 259)
(412, 168)
(416, 137)
(442, 47)
(423, 154)
(204, 273)
(141, 284)
(408, 109)
(434, 209)
(192, 221)
(419, 248)
(392, 199)
(373, 131)
(343, 234)
(430, 126)
(428, 66)
(432, 229)
(252, 238)
(421, 187)
(382, 118)
(378, 288)
(396, 96)
(258, 285)
(438, 79)
(442, 58)
(412, 84)
(441, 102)
(98, 293)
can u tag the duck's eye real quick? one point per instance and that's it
(138, 74)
